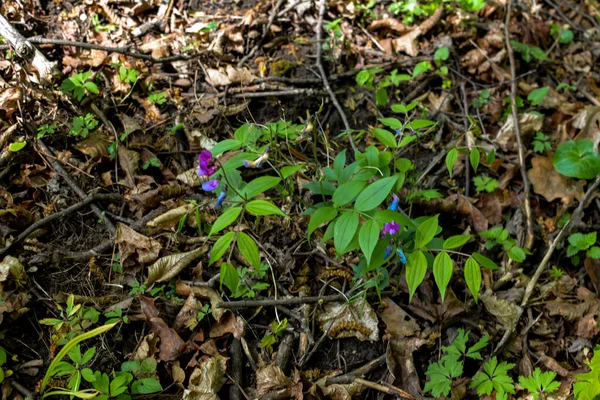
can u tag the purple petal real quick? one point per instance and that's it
(210, 185)
(392, 228)
(205, 156)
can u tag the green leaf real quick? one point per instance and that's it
(381, 97)
(455, 241)
(290, 170)
(385, 137)
(338, 163)
(16, 146)
(263, 207)
(249, 250)
(594, 252)
(260, 185)
(344, 230)
(91, 86)
(401, 108)
(130, 366)
(539, 382)
(420, 124)
(416, 268)
(220, 247)
(441, 54)
(148, 366)
(320, 216)
(577, 159)
(516, 253)
(473, 277)
(226, 219)
(474, 350)
(347, 192)
(391, 122)
(451, 159)
(375, 194)
(368, 236)
(229, 276)
(474, 157)
(441, 374)
(226, 145)
(485, 262)
(442, 272)
(146, 386)
(421, 68)
(426, 231)
(536, 96)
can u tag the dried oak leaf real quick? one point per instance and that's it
(528, 124)
(399, 323)
(505, 312)
(229, 323)
(95, 145)
(549, 183)
(171, 346)
(168, 267)
(129, 161)
(206, 293)
(187, 317)
(206, 379)
(342, 320)
(135, 245)
(464, 206)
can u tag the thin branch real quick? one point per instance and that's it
(121, 50)
(529, 238)
(334, 100)
(264, 34)
(61, 214)
(291, 301)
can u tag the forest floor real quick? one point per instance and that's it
(300, 199)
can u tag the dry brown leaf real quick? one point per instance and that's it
(408, 42)
(190, 178)
(388, 23)
(229, 323)
(129, 161)
(171, 218)
(171, 345)
(528, 124)
(206, 379)
(342, 392)
(399, 324)
(240, 75)
(168, 267)
(549, 183)
(342, 320)
(592, 267)
(269, 378)
(95, 145)
(215, 77)
(206, 293)
(136, 246)
(10, 99)
(506, 313)
(464, 206)
(187, 317)
(400, 363)
(11, 266)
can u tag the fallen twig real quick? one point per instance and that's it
(318, 63)
(292, 301)
(357, 373)
(513, 102)
(266, 29)
(62, 214)
(389, 389)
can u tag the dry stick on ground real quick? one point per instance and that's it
(27, 51)
(389, 389)
(62, 214)
(575, 218)
(291, 301)
(513, 102)
(237, 367)
(266, 29)
(74, 186)
(357, 373)
(319, 64)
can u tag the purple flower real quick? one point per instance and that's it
(390, 229)
(388, 252)
(210, 185)
(394, 205)
(204, 160)
(401, 256)
(221, 197)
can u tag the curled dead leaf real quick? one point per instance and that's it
(171, 218)
(507, 313)
(168, 267)
(552, 185)
(135, 245)
(206, 379)
(528, 124)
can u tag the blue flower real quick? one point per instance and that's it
(395, 200)
(210, 185)
(221, 197)
(388, 252)
(401, 256)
